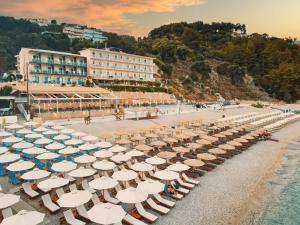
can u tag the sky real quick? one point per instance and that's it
(280, 18)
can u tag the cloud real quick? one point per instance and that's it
(109, 15)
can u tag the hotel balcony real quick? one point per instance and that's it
(63, 73)
(61, 63)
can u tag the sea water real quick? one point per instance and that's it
(283, 208)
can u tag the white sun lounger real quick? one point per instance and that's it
(164, 201)
(29, 191)
(110, 199)
(7, 213)
(51, 206)
(184, 184)
(86, 187)
(160, 209)
(133, 221)
(187, 179)
(146, 215)
(71, 219)
(73, 187)
(82, 212)
(59, 192)
(95, 199)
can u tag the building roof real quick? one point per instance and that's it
(51, 52)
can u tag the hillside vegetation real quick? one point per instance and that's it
(197, 60)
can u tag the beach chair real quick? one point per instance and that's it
(59, 192)
(189, 180)
(181, 189)
(160, 209)
(73, 187)
(95, 199)
(110, 199)
(51, 206)
(39, 164)
(82, 212)
(2, 170)
(12, 178)
(71, 219)
(146, 215)
(164, 201)
(7, 213)
(184, 184)
(29, 191)
(133, 221)
(86, 187)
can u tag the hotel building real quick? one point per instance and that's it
(51, 67)
(77, 31)
(104, 64)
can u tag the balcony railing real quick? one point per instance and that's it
(62, 63)
(65, 73)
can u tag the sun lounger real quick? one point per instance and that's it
(29, 191)
(181, 189)
(184, 184)
(7, 213)
(146, 215)
(95, 199)
(110, 199)
(51, 206)
(160, 209)
(82, 212)
(164, 201)
(59, 192)
(71, 219)
(189, 180)
(133, 221)
(73, 187)
(86, 187)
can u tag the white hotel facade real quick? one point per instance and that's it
(104, 64)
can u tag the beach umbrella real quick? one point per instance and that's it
(182, 136)
(7, 200)
(138, 138)
(194, 145)
(144, 148)
(158, 143)
(9, 157)
(150, 186)
(3, 150)
(50, 132)
(61, 137)
(90, 138)
(219, 135)
(85, 159)
(4, 134)
(67, 131)
(52, 183)
(217, 151)
(234, 143)
(58, 127)
(24, 131)
(74, 199)
(40, 129)
(166, 154)
(134, 153)
(123, 142)
(82, 172)
(120, 158)
(124, 175)
(194, 162)
(55, 146)
(241, 140)
(163, 132)
(206, 156)
(196, 124)
(131, 196)
(48, 156)
(117, 148)
(106, 213)
(34, 151)
(248, 137)
(104, 144)
(170, 140)
(200, 132)
(151, 135)
(167, 175)
(142, 167)
(43, 141)
(181, 149)
(204, 142)
(103, 183)
(103, 154)
(210, 138)
(104, 165)
(226, 147)
(178, 167)
(68, 151)
(87, 147)
(11, 140)
(20, 166)
(14, 126)
(64, 166)
(155, 160)
(78, 134)
(22, 145)
(30, 124)
(24, 217)
(33, 136)
(73, 142)
(35, 174)
(48, 124)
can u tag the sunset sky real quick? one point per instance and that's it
(137, 17)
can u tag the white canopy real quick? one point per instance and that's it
(9, 157)
(82, 172)
(74, 199)
(52, 183)
(88, 147)
(22, 145)
(68, 151)
(151, 186)
(64, 166)
(55, 146)
(50, 132)
(24, 131)
(166, 175)
(142, 167)
(103, 183)
(7, 200)
(35, 174)
(155, 160)
(61, 137)
(103, 154)
(43, 141)
(106, 213)
(89, 138)
(78, 134)
(131, 196)
(117, 148)
(73, 142)
(124, 175)
(5, 134)
(120, 158)
(178, 167)
(3, 150)
(104, 144)
(134, 153)
(11, 139)
(58, 127)
(104, 165)
(67, 131)
(24, 218)
(40, 129)
(33, 136)
(34, 151)
(84, 159)
(20, 166)
(49, 124)
(30, 123)
(14, 126)
(48, 156)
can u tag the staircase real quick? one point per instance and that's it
(23, 111)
